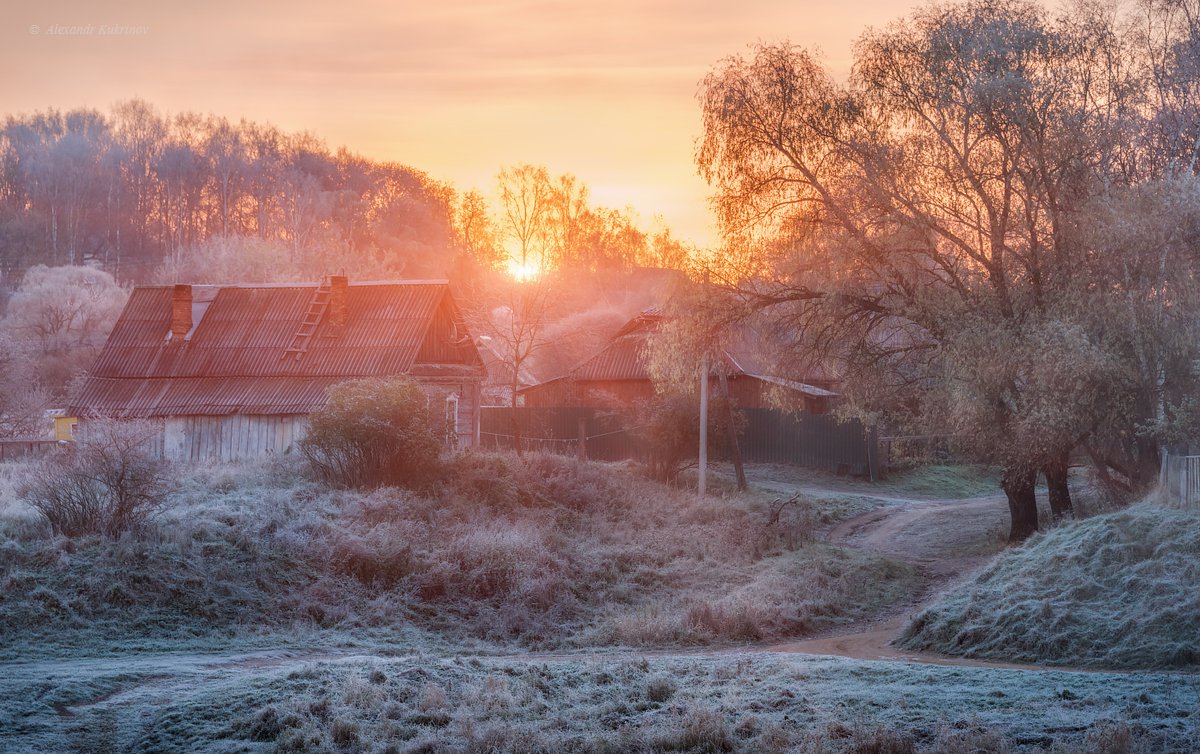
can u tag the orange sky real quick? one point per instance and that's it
(605, 90)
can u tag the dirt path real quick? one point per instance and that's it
(946, 540)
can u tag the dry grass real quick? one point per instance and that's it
(744, 703)
(544, 553)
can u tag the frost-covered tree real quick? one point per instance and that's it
(22, 401)
(929, 226)
(62, 308)
(61, 316)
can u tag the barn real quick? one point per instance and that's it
(619, 376)
(233, 371)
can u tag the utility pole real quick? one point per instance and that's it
(702, 482)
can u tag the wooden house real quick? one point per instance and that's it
(619, 376)
(233, 371)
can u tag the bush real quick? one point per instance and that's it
(670, 435)
(109, 482)
(372, 433)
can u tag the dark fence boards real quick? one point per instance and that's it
(814, 441)
(771, 436)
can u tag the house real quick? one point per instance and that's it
(233, 371)
(64, 424)
(619, 376)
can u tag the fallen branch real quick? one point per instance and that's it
(777, 506)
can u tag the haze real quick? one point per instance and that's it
(602, 90)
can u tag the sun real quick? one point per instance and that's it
(523, 271)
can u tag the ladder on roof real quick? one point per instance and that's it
(312, 318)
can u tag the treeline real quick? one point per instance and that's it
(135, 191)
(133, 188)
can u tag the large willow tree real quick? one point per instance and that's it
(952, 226)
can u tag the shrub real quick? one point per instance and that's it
(371, 433)
(670, 434)
(109, 482)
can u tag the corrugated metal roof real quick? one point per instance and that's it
(235, 360)
(625, 358)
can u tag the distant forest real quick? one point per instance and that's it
(147, 196)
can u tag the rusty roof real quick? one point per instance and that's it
(235, 358)
(624, 357)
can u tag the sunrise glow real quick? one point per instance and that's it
(523, 272)
(458, 90)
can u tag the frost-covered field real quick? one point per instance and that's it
(262, 612)
(1115, 590)
(722, 702)
(546, 553)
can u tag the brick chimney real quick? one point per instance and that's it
(339, 311)
(181, 312)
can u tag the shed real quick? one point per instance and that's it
(233, 371)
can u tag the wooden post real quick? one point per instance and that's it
(872, 441)
(581, 450)
(703, 466)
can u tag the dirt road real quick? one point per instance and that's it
(946, 539)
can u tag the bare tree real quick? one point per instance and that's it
(477, 232)
(514, 315)
(22, 400)
(525, 202)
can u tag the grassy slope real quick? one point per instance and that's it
(1116, 590)
(546, 554)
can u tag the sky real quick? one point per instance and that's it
(605, 90)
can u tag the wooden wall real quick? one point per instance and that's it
(224, 438)
(746, 391)
(197, 439)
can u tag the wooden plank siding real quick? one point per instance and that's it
(206, 439)
(200, 439)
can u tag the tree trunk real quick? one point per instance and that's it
(1149, 461)
(734, 448)
(1056, 484)
(1018, 485)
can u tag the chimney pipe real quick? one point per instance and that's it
(339, 311)
(181, 311)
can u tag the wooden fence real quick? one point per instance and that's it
(1180, 480)
(770, 436)
(13, 449)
